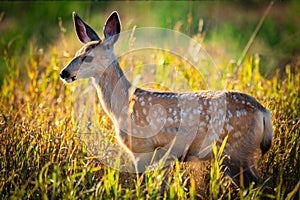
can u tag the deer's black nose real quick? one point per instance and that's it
(64, 74)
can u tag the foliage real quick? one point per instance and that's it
(43, 156)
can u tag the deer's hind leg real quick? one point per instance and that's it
(241, 173)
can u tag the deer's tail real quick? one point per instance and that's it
(267, 134)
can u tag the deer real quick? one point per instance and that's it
(151, 124)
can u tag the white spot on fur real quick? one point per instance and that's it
(176, 119)
(144, 111)
(200, 107)
(206, 117)
(183, 113)
(170, 120)
(153, 126)
(221, 112)
(220, 122)
(196, 111)
(174, 112)
(148, 119)
(240, 112)
(229, 113)
(229, 127)
(243, 112)
(235, 98)
(224, 118)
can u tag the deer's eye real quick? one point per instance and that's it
(87, 59)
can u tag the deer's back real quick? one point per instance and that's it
(197, 119)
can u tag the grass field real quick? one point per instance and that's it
(42, 156)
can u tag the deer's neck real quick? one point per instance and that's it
(113, 91)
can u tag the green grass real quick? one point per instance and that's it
(43, 157)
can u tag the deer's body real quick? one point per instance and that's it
(182, 124)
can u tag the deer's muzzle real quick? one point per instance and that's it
(67, 77)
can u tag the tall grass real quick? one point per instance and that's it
(43, 156)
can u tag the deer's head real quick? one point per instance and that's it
(96, 54)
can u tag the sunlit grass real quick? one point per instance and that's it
(42, 155)
(43, 152)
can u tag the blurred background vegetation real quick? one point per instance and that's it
(223, 28)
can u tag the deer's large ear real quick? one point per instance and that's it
(112, 27)
(84, 32)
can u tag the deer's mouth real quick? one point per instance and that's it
(67, 77)
(70, 79)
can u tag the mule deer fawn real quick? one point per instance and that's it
(150, 124)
